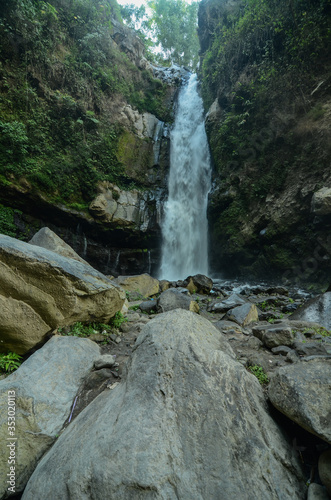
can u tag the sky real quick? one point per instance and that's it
(138, 3)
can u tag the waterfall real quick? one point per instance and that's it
(117, 261)
(149, 262)
(84, 247)
(157, 141)
(184, 227)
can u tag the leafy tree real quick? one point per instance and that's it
(133, 15)
(174, 25)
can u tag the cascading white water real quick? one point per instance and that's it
(184, 228)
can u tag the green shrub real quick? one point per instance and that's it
(117, 320)
(7, 221)
(10, 362)
(83, 330)
(259, 373)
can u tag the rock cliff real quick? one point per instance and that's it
(81, 109)
(265, 73)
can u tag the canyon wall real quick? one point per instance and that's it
(83, 131)
(265, 74)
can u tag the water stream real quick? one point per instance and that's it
(185, 227)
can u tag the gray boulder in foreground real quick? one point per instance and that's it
(302, 392)
(41, 290)
(42, 391)
(188, 423)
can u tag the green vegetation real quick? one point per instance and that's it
(60, 74)
(269, 37)
(7, 221)
(174, 24)
(169, 24)
(117, 320)
(259, 373)
(134, 308)
(318, 331)
(262, 61)
(85, 329)
(79, 329)
(10, 362)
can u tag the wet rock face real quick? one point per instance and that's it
(172, 76)
(132, 248)
(128, 209)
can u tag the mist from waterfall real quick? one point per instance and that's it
(185, 227)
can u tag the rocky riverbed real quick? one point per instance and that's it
(199, 390)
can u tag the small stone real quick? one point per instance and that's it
(281, 349)
(274, 335)
(144, 319)
(299, 337)
(105, 361)
(309, 333)
(148, 306)
(317, 492)
(112, 386)
(97, 337)
(254, 343)
(164, 285)
(133, 317)
(225, 305)
(324, 469)
(279, 290)
(289, 308)
(118, 339)
(309, 348)
(292, 357)
(199, 284)
(244, 315)
(125, 327)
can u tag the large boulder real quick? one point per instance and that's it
(46, 238)
(174, 298)
(244, 315)
(199, 283)
(274, 335)
(41, 290)
(144, 284)
(302, 392)
(188, 422)
(41, 393)
(225, 305)
(316, 310)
